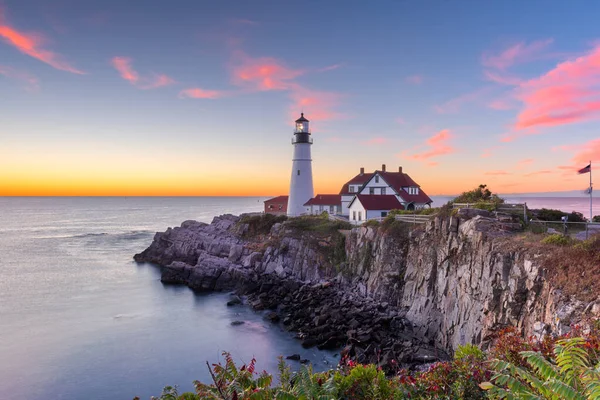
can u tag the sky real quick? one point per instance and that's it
(199, 97)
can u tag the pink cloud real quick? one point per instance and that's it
(198, 93)
(568, 93)
(415, 79)
(123, 65)
(496, 173)
(500, 105)
(454, 105)
(125, 68)
(376, 141)
(438, 146)
(523, 163)
(516, 54)
(31, 81)
(536, 173)
(317, 105)
(263, 73)
(586, 152)
(32, 45)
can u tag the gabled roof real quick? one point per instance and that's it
(278, 200)
(325, 200)
(378, 202)
(359, 179)
(400, 180)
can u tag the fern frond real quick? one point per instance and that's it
(563, 390)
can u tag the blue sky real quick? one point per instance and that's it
(198, 97)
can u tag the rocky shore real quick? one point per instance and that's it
(394, 296)
(288, 281)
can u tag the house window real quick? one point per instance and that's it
(383, 214)
(354, 215)
(298, 172)
(270, 206)
(360, 215)
(382, 190)
(371, 190)
(351, 189)
(417, 190)
(320, 208)
(376, 178)
(331, 209)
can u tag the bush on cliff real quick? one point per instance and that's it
(480, 194)
(317, 224)
(260, 224)
(548, 214)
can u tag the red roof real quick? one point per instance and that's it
(397, 180)
(325, 200)
(378, 202)
(278, 200)
(359, 179)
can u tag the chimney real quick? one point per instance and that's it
(383, 167)
(362, 171)
(400, 169)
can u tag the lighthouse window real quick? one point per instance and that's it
(298, 172)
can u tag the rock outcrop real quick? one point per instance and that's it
(392, 294)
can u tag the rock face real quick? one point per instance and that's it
(392, 295)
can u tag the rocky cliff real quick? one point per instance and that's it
(391, 290)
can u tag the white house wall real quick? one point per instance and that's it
(377, 186)
(358, 207)
(346, 199)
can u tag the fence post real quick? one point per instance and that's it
(525, 213)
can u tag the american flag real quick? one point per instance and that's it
(585, 170)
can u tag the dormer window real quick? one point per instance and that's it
(413, 190)
(351, 189)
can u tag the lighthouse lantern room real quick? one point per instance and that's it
(301, 182)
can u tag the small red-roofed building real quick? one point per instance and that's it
(276, 205)
(369, 206)
(330, 203)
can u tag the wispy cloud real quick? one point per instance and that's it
(331, 67)
(500, 104)
(198, 93)
(32, 44)
(454, 105)
(125, 68)
(541, 172)
(263, 73)
(32, 82)
(437, 145)
(524, 163)
(376, 141)
(515, 54)
(318, 105)
(567, 94)
(414, 79)
(502, 78)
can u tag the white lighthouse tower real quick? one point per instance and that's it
(301, 183)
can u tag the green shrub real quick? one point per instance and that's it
(260, 224)
(485, 206)
(319, 224)
(596, 218)
(477, 195)
(557, 239)
(372, 223)
(468, 350)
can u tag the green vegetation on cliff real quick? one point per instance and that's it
(515, 368)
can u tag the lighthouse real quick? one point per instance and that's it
(301, 182)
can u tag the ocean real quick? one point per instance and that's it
(80, 320)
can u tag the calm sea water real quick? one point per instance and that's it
(80, 320)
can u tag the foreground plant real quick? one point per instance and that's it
(573, 372)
